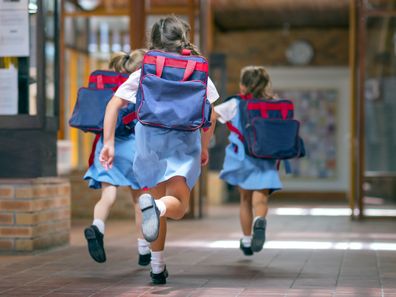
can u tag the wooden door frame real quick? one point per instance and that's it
(358, 17)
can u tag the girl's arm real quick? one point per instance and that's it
(226, 111)
(106, 156)
(205, 139)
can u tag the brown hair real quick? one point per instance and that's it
(257, 82)
(171, 34)
(127, 63)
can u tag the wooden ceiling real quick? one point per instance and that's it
(261, 14)
(231, 15)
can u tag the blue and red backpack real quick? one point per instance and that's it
(172, 91)
(89, 110)
(269, 130)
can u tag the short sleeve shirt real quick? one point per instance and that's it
(227, 110)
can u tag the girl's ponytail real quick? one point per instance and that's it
(194, 50)
(118, 61)
(171, 34)
(257, 82)
(127, 63)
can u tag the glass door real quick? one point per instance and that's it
(378, 107)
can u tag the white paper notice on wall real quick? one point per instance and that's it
(14, 4)
(9, 91)
(14, 28)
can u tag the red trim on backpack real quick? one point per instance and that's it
(159, 65)
(169, 62)
(234, 129)
(101, 80)
(129, 118)
(283, 107)
(92, 154)
(189, 69)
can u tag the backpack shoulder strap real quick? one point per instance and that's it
(234, 129)
(229, 125)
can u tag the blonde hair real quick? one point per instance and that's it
(171, 34)
(127, 63)
(257, 82)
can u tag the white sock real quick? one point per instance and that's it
(258, 217)
(247, 240)
(157, 262)
(161, 207)
(100, 224)
(143, 246)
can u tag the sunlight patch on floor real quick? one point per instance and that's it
(292, 245)
(318, 211)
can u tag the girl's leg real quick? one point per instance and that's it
(246, 219)
(143, 244)
(177, 198)
(260, 203)
(245, 211)
(260, 206)
(159, 244)
(103, 206)
(94, 234)
(158, 267)
(173, 204)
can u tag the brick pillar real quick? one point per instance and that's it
(34, 213)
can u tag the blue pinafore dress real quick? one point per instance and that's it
(240, 169)
(162, 154)
(121, 174)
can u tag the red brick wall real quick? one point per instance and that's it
(34, 213)
(84, 199)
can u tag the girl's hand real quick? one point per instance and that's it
(106, 156)
(204, 157)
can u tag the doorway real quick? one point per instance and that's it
(376, 108)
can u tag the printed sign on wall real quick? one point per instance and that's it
(14, 28)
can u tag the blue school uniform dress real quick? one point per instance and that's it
(163, 153)
(240, 169)
(121, 173)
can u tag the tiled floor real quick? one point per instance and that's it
(305, 255)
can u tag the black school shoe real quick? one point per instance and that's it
(258, 238)
(150, 217)
(95, 243)
(144, 260)
(247, 251)
(159, 278)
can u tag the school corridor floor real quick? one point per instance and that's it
(309, 252)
